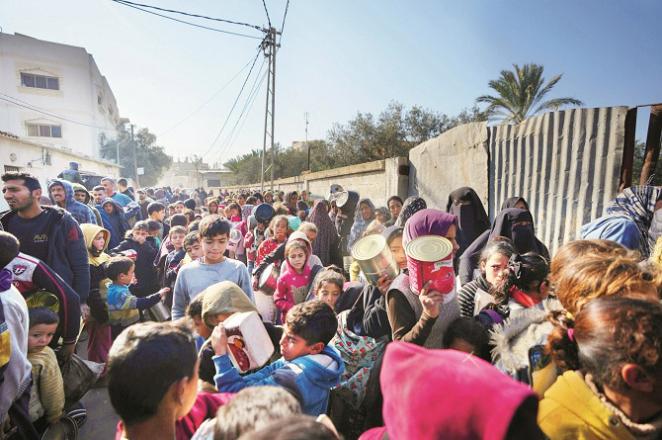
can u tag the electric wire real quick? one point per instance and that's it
(267, 12)
(204, 104)
(121, 2)
(282, 26)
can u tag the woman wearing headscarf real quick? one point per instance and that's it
(327, 244)
(411, 206)
(472, 219)
(364, 215)
(512, 223)
(627, 219)
(515, 202)
(422, 318)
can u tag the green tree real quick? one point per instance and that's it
(520, 94)
(149, 156)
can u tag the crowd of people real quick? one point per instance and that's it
(138, 287)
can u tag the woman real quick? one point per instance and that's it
(364, 215)
(512, 223)
(612, 352)
(411, 206)
(422, 319)
(515, 202)
(472, 220)
(327, 244)
(394, 205)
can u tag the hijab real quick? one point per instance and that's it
(360, 224)
(428, 222)
(226, 298)
(410, 207)
(522, 236)
(511, 202)
(638, 204)
(326, 232)
(472, 219)
(479, 401)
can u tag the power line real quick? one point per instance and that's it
(248, 105)
(267, 11)
(29, 106)
(188, 14)
(227, 118)
(122, 2)
(213, 96)
(282, 26)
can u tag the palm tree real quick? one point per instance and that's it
(521, 90)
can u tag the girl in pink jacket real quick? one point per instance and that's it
(293, 282)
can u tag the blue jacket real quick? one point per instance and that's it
(82, 213)
(309, 377)
(618, 228)
(67, 253)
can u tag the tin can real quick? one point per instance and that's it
(269, 279)
(430, 258)
(375, 258)
(159, 312)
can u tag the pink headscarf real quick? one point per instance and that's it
(428, 222)
(430, 394)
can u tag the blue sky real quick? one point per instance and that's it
(339, 57)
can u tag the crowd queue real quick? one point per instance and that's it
(139, 288)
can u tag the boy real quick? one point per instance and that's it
(154, 233)
(192, 247)
(309, 367)
(157, 212)
(47, 396)
(123, 307)
(15, 375)
(171, 264)
(136, 245)
(153, 378)
(211, 268)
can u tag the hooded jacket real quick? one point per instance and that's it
(309, 377)
(145, 271)
(82, 213)
(67, 255)
(88, 198)
(571, 409)
(98, 279)
(446, 394)
(115, 223)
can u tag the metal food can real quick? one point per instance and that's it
(375, 258)
(430, 258)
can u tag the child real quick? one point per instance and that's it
(123, 307)
(171, 265)
(328, 287)
(136, 247)
(212, 268)
(470, 336)
(153, 376)
(278, 232)
(154, 233)
(294, 282)
(15, 368)
(47, 395)
(309, 367)
(98, 345)
(192, 247)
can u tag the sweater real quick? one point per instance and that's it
(291, 288)
(196, 276)
(468, 293)
(47, 393)
(123, 307)
(310, 377)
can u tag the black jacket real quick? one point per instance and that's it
(145, 271)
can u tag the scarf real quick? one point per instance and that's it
(327, 237)
(360, 224)
(472, 219)
(411, 206)
(638, 204)
(428, 222)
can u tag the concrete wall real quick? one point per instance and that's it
(454, 159)
(376, 180)
(84, 95)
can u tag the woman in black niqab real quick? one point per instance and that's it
(472, 219)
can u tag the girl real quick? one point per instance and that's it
(278, 232)
(474, 296)
(421, 319)
(612, 354)
(363, 216)
(234, 212)
(96, 241)
(212, 206)
(294, 281)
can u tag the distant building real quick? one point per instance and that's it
(189, 174)
(60, 99)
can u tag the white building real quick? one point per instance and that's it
(53, 94)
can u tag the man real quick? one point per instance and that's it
(62, 194)
(71, 175)
(144, 201)
(82, 195)
(99, 193)
(109, 184)
(48, 233)
(125, 188)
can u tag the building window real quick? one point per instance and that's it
(214, 182)
(40, 81)
(44, 130)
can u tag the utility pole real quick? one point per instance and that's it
(270, 47)
(307, 146)
(135, 159)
